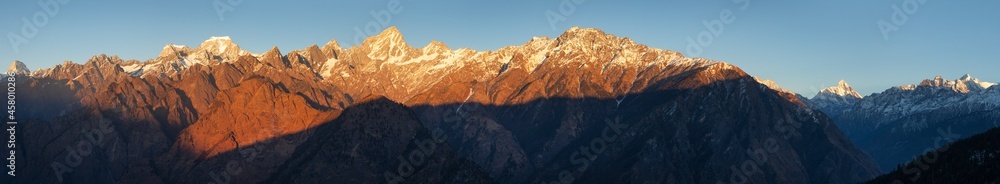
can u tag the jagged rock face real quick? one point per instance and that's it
(516, 115)
(679, 127)
(274, 58)
(901, 122)
(378, 129)
(269, 111)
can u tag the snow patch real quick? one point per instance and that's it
(134, 70)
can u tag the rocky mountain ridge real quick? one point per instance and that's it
(585, 106)
(900, 122)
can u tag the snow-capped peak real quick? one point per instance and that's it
(843, 84)
(218, 44)
(841, 90)
(435, 47)
(18, 68)
(390, 36)
(835, 99)
(388, 46)
(964, 84)
(221, 46)
(968, 79)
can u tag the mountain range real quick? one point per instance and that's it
(585, 107)
(906, 121)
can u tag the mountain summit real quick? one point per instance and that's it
(388, 45)
(18, 68)
(219, 48)
(835, 99)
(842, 89)
(975, 82)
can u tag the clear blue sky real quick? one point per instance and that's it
(803, 45)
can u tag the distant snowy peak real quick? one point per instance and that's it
(963, 95)
(968, 79)
(834, 100)
(964, 84)
(841, 90)
(18, 68)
